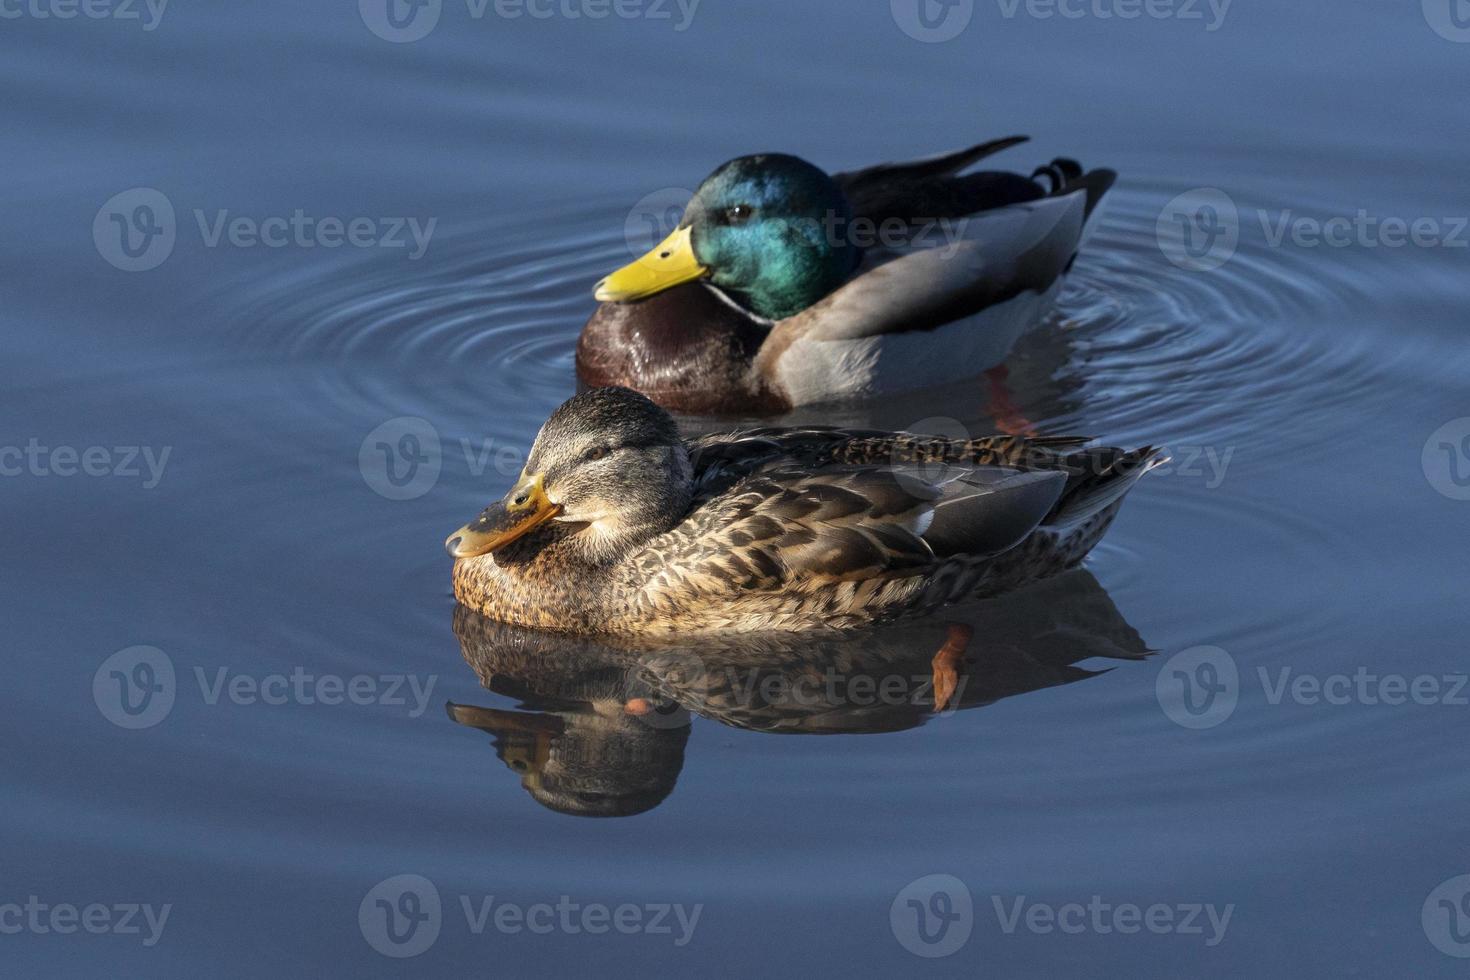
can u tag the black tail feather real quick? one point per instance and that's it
(1096, 183)
(944, 165)
(939, 187)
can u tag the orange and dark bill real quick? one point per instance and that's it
(522, 510)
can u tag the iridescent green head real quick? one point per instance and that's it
(770, 230)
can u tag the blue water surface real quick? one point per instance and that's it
(1249, 703)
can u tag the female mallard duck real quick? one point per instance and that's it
(785, 286)
(619, 525)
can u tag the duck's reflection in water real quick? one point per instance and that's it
(602, 722)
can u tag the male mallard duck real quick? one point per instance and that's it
(619, 525)
(785, 286)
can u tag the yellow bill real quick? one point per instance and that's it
(671, 262)
(523, 510)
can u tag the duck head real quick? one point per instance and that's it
(608, 469)
(769, 230)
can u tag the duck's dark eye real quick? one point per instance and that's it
(739, 214)
(595, 453)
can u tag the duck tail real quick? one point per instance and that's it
(1058, 174)
(1065, 176)
(1099, 478)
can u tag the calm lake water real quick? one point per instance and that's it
(1231, 745)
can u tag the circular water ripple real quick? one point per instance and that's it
(489, 313)
(494, 311)
(1237, 354)
(1264, 358)
(1139, 349)
(1254, 359)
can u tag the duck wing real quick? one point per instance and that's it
(1002, 254)
(797, 531)
(723, 459)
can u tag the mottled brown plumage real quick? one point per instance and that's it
(786, 529)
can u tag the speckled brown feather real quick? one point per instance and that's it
(805, 529)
